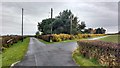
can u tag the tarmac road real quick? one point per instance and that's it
(40, 54)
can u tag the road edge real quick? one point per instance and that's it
(73, 58)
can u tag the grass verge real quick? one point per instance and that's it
(82, 61)
(14, 53)
(0, 60)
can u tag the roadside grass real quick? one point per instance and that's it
(0, 42)
(82, 61)
(14, 53)
(111, 38)
(0, 60)
(0, 52)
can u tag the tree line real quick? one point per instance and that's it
(65, 23)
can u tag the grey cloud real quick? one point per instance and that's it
(60, 0)
(94, 14)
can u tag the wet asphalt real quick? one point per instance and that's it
(40, 54)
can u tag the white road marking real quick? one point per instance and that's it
(14, 64)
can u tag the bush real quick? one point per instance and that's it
(45, 37)
(62, 37)
(72, 37)
(9, 40)
(56, 38)
(106, 53)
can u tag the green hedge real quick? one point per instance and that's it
(106, 53)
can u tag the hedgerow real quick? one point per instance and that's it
(7, 41)
(106, 53)
(62, 37)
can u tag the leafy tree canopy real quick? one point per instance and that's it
(65, 22)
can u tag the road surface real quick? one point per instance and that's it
(58, 54)
(39, 54)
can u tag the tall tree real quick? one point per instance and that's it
(100, 31)
(45, 26)
(61, 24)
(80, 27)
(37, 33)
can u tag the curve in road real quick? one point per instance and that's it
(40, 54)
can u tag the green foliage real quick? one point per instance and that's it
(37, 34)
(100, 31)
(45, 25)
(81, 26)
(61, 24)
(15, 52)
(94, 31)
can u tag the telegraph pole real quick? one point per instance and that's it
(51, 19)
(22, 24)
(71, 24)
(51, 13)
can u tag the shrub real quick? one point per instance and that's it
(45, 37)
(9, 40)
(56, 38)
(72, 37)
(62, 37)
(79, 36)
(106, 53)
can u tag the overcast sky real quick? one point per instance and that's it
(95, 14)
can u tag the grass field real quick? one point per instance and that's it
(14, 53)
(111, 38)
